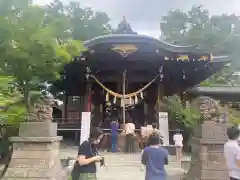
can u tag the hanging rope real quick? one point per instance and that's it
(120, 95)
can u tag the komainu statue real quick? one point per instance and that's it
(210, 109)
(207, 142)
(40, 107)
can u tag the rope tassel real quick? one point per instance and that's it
(122, 102)
(130, 100)
(115, 99)
(107, 97)
(136, 99)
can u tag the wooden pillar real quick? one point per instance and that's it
(124, 92)
(65, 108)
(119, 89)
(88, 97)
(160, 95)
(145, 112)
(87, 101)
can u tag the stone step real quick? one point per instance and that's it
(132, 160)
(136, 164)
(115, 173)
(109, 161)
(2, 166)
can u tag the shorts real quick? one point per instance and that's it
(178, 146)
(86, 176)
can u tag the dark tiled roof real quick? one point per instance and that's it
(215, 90)
(125, 34)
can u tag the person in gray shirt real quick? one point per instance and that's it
(232, 153)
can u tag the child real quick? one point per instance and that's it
(178, 142)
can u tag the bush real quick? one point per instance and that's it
(189, 117)
(185, 118)
(12, 112)
(234, 116)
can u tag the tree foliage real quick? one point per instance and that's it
(35, 42)
(217, 34)
(80, 23)
(177, 111)
(12, 110)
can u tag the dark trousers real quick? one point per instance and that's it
(114, 143)
(130, 148)
(102, 143)
(233, 178)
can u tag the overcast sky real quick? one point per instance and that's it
(144, 16)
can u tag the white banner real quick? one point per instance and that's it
(85, 126)
(163, 127)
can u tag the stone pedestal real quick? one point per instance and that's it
(36, 153)
(207, 160)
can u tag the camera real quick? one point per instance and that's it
(102, 162)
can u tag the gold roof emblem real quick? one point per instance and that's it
(124, 49)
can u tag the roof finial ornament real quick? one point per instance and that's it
(124, 27)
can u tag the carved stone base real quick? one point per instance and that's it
(35, 158)
(38, 129)
(207, 160)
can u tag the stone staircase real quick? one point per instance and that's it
(133, 160)
(124, 166)
(128, 167)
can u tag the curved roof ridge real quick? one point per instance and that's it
(135, 38)
(140, 36)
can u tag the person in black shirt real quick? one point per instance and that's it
(85, 166)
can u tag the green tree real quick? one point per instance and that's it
(177, 111)
(12, 110)
(29, 56)
(76, 22)
(86, 23)
(174, 26)
(55, 12)
(35, 42)
(213, 33)
(31, 50)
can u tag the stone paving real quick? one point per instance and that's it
(124, 166)
(128, 167)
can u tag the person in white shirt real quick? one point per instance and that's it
(130, 133)
(178, 142)
(232, 153)
(149, 130)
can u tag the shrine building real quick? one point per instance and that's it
(125, 72)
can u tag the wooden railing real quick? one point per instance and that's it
(68, 124)
(75, 124)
